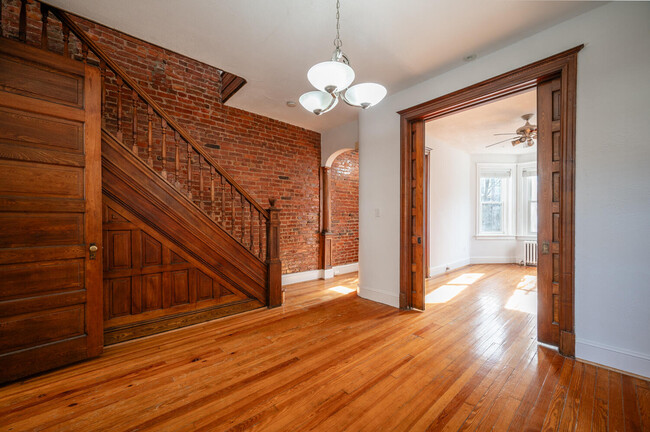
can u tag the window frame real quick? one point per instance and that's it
(523, 201)
(508, 199)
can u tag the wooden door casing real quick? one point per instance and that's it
(50, 211)
(564, 65)
(152, 285)
(412, 233)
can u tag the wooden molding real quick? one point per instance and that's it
(526, 77)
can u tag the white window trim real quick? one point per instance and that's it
(522, 201)
(509, 222)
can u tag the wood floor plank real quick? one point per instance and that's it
(630, 405)
(601, 404)
(329, 361)
(643, 401)
(572, 405)
(615, 412)
(558, 400)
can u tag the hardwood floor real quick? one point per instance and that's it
(330, 361)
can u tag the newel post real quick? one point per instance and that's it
(274, 275)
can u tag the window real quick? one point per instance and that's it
(528, 197)
(494, 200)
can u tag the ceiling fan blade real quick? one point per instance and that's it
(498, 142)
(511, 134)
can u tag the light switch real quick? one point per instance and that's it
(377, 213)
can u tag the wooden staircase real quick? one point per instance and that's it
(183, 242)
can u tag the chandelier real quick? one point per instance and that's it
(333, 78)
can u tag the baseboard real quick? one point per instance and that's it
(438, 270)
(493, 260)
(346, 268)
(378, 296)
(613, 357)
(310, 275)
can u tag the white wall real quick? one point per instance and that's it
(612, 283)
(338, 140)
(450, 208)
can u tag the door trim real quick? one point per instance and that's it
(563, 64)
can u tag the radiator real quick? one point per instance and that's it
(530, 253)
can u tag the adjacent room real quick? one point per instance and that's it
(481, 185)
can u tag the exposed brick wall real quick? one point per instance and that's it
(267, 157)
(344, 182)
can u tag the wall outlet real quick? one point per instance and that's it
(377, 213)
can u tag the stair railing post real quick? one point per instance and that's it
(274, 275)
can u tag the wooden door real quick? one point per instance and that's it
(549, 171)
(417, 215)
(427, 212)
(50, 211)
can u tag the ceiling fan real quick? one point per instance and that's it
(525, 134)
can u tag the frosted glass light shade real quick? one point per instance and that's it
(317, 101)
(365, 94)
(330, 75)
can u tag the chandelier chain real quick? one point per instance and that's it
(337, 41)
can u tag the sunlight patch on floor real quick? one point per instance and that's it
(466, 279)
(451, 289)
(444, 293)
(524, 299)
(342, 289)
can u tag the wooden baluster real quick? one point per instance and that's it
(232, 210)
(274, 273)
(84, 52)
(189, 171)
(200, 181)
(259, 231)
(150, 135)
(134, 101)
(120, 83)
(66, 39)
(223, 202)
(178, 160)
(250, 246)
(243, 220)
(1, 30)
(45, 14)
(164, 148)
(212, 202)
(22, 21)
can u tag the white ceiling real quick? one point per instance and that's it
(474, 129)
(272, 43)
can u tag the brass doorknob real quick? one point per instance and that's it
(93, 248)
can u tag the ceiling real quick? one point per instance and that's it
(474, 129)
(272, 43)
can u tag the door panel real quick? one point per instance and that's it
(549, 171)
(417, 215)
(50, 211)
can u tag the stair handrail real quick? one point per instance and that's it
(117, 70)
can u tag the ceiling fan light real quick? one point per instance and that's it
(331, 76)
(317, 102)
(365, 94)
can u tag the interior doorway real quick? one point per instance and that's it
(555, 81)
(480, 187)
